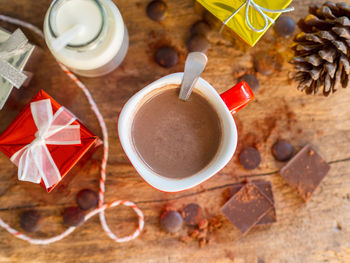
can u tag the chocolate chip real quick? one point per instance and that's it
(192, 214)
(267, 63)
(86, 199)
(249, 158)
(252, 81)
(171, 221)
(197, 43)
(73, 216)
(157, 10)
(166, 57)
(282, 150)
(284, 26)
(30, 221)
(200, 28)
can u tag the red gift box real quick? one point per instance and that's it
(21, 132)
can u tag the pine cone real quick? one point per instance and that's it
(322, 49)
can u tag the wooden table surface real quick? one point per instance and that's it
(316, 231)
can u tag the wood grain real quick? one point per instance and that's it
(316, 231)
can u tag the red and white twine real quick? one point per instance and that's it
(101, 207)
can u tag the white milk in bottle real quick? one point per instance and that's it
(88, 36)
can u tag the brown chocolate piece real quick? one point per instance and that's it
(73, 216)
(305, 171)
(247, 207)
(197, 43)
(266, 189)
(157, 10)
(200, 28)
(202, 242)
(214, 224)
(192, 214)
(282, 150)
(203, 224)
(86, 199)
(267, 62)
(30, 221)
(284, 26)
(171, 221)
(250, 158)
(167, 57)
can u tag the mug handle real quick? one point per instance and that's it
(237, 97)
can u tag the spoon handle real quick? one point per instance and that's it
(194, 66)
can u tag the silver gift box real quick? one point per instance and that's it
(18, 61)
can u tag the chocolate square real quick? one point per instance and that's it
(305, 171)
(247, 207)
(265, 188)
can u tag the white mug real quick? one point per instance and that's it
(225, 104)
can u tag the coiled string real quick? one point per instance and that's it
(101, 207)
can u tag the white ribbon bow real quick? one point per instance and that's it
(261, 10)
(34, 160)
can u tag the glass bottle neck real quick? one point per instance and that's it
(91, 14)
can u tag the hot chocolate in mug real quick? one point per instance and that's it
(224, 105)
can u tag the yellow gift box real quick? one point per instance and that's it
(233, 14)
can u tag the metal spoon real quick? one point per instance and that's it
(194, 66)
